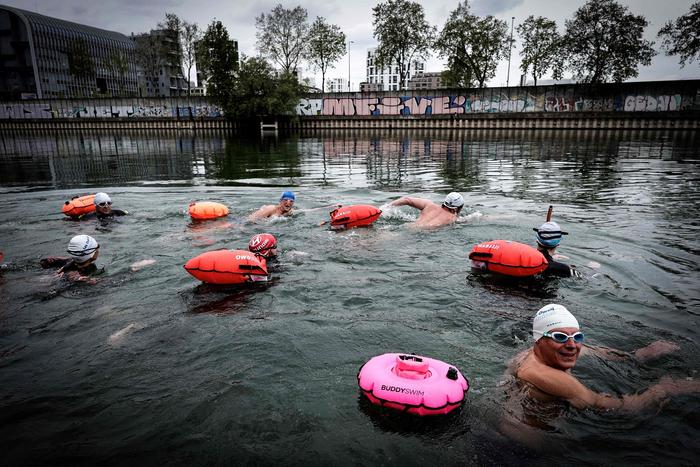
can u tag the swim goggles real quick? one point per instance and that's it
(562, 337)
(105, 204)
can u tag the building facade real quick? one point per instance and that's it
(45, 57)
(337, 85)
(427, 80)
(388, 77)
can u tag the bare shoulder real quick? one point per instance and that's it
(265, 211)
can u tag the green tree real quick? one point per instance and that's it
(403, 34)
(541, 45)
(281, 36)
(118, 65)
(189, 37)
(603, 41)
(171, 28)
(217, 60)
(149, 57)
(80, 63)
(682, 37)
(473, 47)
(260, 92)
(325, 45)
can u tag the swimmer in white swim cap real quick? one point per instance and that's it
(83, 251)
(545, 368)
(433, 214)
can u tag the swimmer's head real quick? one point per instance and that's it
(103, 203)
(552, 317)
(549, 234)
(264, 244)
(453, 202)
(83, 248)
(288, 195)
(102, 199)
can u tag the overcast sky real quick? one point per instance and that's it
(355, 19)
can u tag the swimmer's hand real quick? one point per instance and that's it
(75, 276)
(655, 350)
(674, 386)
(322, 223)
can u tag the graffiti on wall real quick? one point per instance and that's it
(482, 101)
(646, 103)
(486, 103)
(53, 110)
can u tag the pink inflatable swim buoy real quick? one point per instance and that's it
(413, 384)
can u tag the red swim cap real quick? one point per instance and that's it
(262, 244)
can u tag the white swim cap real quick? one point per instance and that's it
(550, 317)
(549, 234)
(101, 198)
(453, 201)
(82, 248)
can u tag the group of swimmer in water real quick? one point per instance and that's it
(544, 370)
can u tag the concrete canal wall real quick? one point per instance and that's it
(644, 105)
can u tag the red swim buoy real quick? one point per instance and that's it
(508, 258)
(227, 267)
(205, 210)
(357, 215)
(79, 205)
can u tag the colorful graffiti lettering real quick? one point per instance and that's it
(497, 100)
(647, 103)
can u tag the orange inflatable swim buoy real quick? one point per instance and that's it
(205, 210)
(79, 205)
(357, 215)
(508, 258)
(227, 267)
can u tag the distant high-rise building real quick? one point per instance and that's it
(45, 57)
(388, 77)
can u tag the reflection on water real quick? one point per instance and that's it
(467, 160)
(149, 361)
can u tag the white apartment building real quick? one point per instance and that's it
(336, 85)
(388, 78)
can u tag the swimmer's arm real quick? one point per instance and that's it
(563, 385)
(334, 205)
(265, 211)
(652, 351)
(417, 203)
(53, 262)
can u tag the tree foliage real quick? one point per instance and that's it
(603, 41)
(281, 35)
(403, 35)
(325, 45)
(682, 37)
(80, 63)
(189, 37)
(217, 60)
(171, 27)
(260, 92)
(118, 64)
(148, 54)
(541, 45)
(473, 47)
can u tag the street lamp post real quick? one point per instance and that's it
(510, 47)
(349, 42)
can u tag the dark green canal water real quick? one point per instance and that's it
(150, 367)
